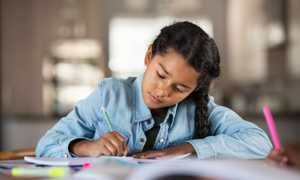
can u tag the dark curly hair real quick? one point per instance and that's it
(200, 52)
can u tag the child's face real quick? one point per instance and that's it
(168, 79)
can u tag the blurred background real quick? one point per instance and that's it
(54, 52)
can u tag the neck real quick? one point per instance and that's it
(161, 112)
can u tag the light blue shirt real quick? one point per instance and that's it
(231, 136)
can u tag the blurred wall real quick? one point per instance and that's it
(0, 75)
(28, 29)
(293, 54)
(263, 54)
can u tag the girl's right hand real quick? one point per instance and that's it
(110, 144)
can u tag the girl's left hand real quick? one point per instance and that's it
(284, 156)
(167, 153)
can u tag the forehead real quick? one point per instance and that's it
(177, 68)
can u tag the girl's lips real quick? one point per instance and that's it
(155, 99)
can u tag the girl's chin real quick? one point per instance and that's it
(153, 105)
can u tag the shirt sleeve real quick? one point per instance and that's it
(231, 137)
(78, 124)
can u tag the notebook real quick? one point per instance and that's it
(207, 169)
(82, 160)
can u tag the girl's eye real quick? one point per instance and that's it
(159, 75)
(179, 90)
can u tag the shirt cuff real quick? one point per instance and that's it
(203, 148)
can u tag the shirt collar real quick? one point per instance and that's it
(172, 110)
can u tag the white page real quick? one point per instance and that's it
(81, 160)
(215, 169)
(69, 161)
(157, 160)
(181, 157)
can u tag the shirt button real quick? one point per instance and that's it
(142, 140)
(161, 140)
(66, 155)
(149, 122)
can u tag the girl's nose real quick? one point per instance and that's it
(163, 90)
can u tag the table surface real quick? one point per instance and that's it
(8, 176)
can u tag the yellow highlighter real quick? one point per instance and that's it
(41, 172)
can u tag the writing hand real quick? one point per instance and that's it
(167, 153)
(110, 144)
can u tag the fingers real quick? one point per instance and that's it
(119, 143)
(293, 158)
(123, 140)
(115, 148)
(278, 156)
(165, 153)
(97, 148)
(110, 144)
(159, 155)
(165, 157)
(274, 156)
(106, 151)
(284, 161)
(149, 155)
(126, 151)
(162, 154)
(110, 150)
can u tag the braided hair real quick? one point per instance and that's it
(201, 53)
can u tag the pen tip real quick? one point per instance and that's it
(103, 108)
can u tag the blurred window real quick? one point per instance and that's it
(71, 73)
(129, 38)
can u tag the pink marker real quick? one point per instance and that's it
(272, 127)
(86, 165)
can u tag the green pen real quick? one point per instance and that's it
(108, 121)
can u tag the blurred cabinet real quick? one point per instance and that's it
(70, 73)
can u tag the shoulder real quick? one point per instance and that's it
(116, 90)
(218, 113)
(116, 82)
(186, 108)
(190, 103)
(212, 106)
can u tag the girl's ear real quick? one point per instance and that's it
(148, 55)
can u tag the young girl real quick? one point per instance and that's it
(163, 113)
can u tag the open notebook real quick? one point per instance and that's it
(83, 160)
(218, 169)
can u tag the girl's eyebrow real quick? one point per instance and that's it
(185, 86)
(163, 67)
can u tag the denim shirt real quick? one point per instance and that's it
(231, 136)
